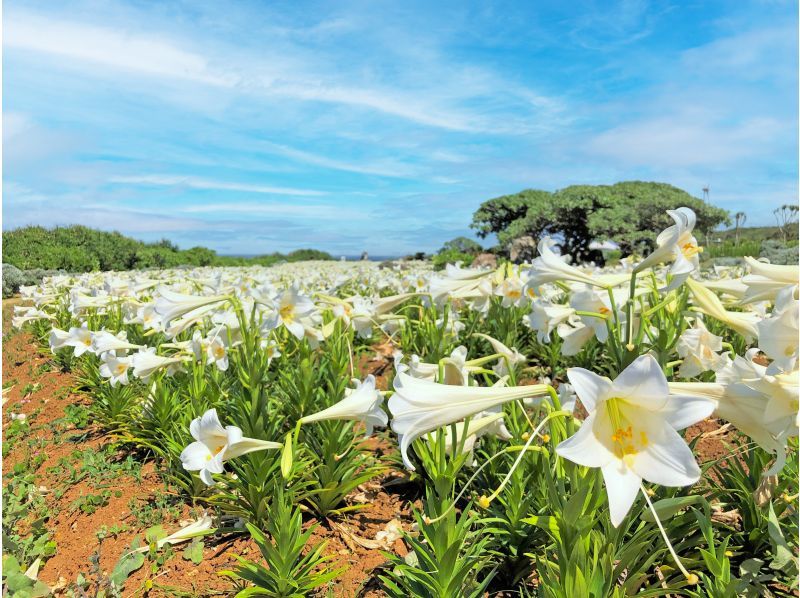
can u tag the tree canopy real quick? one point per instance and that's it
(630, 213)
(462, 245)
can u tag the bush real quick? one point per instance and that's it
(451, 256)
(779, 253)
(463, 245)
(81, 249)
(12, 280)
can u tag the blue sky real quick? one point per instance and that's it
(252, 127)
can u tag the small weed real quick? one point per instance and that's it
(89, 503)
(156, 509)
(30, 388)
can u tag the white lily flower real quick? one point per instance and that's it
(589, 300)
(762, 406)
(58, 339)
(271, 348)
(214, 445)
(778, 337)
(419, 369)
(115, 369)
(698, 349)
(546, 317)
(290, 308)
(574, 337)
(364, 404)
(549, 267)
(765, 281)
(510, 289)
(631, 431)
(217, 353)
(149, 318)
(171, 305)
(708, 303)
(420, 406)
(511, 356)
(676, 244)
(25, 314)
(104, 341)
(455, 367)
(200, 527)
(145, 363)
(567, 396)
(80, 338)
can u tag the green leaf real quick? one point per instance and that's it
(10, 565)
(546, 522)
(127, 564)
(781, 549)
(194, 552)
(18, 581)
(669, 507)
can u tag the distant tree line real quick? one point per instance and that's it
(82, 249)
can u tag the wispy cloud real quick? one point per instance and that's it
(192, 182)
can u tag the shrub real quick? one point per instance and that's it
(779, 253)
(451, 256)
(12, 280)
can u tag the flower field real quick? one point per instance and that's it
(347, 429)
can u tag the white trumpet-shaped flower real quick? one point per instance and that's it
(510, 356)
(778, 337)
(80, 338)
(421, 406)
(546, 317)
(58, 339)
(765, 281)
(104, 341)
(708, 303)
(550, 267)
(200, 527)
(364, 404)
(631, 431)
(763, 406)
(171, 305)
(214, 445)
(676, 244)
(145, 363)
(115, 369)
(290, 308)
(699, 350)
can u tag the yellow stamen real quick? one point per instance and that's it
(287, 313)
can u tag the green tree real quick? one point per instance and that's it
(461, 245)
(629, 213)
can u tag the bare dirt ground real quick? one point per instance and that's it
(92, 498)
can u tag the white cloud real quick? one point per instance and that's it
(432, 96)
(117, 49)
(158, 180)
(306, 211)
(684, 140)
(389, 168)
